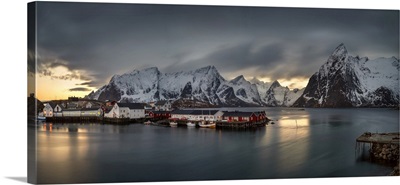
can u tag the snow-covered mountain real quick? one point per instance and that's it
(347, 81)
(278, 95)
(262, 86)
(204, 84)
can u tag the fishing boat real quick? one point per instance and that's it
(207, 125)
(147, 122)
(173, 124)
(190, 124)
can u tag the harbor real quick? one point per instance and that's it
(160, 113)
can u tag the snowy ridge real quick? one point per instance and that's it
(204, 84)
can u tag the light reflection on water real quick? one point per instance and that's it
(301, 143)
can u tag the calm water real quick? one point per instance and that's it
(302, 143)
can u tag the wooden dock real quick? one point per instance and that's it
(383, 148)
(379, 138)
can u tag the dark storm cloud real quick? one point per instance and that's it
(80, 89)
(233, 58)
(277, 42)
(85, 83)
(31, 62)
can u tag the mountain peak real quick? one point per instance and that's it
(275, 84)
(238, 79)
(340, 50)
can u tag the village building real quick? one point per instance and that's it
(129, 110)
(159, 114)
(240, 116)
(197, 115)
(109, 112)
(261, 116)
(58, 110)
(48, 110)
(91, 112)
(163, 105)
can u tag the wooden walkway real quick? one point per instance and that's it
(379, 138)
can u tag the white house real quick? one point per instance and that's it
(163, 105)
(58, 111)
(110, 112)
(48, 110)
(131, 110)
(125, 110)
(116, 111)
(208, 115)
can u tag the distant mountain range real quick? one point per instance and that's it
(204, 84)
(343, 81)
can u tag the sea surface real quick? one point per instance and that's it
(302, 143)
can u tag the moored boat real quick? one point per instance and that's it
(190, 124)
(207, 125)
(173, 124)
(41, 116)
(147, 122)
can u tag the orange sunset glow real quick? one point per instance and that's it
(52, 87)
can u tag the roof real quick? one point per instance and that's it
(161, 102)
(195, 112)
(178, 111)
(72, 110)
(52, 104)
(92, 108)
(132, 105)
(160, 112)
(238, 114)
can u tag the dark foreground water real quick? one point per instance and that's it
(302, 143)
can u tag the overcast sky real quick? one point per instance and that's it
(275, 43)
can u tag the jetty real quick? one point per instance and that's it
(384, 147)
